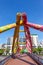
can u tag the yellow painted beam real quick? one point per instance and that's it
(16, 33)
(10, 26)
(21, 31)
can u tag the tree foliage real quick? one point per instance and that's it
(37, 50)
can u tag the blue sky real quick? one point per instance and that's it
(9, 9)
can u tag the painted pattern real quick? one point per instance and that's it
(27, 34)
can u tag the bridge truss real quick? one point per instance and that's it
(21, 20)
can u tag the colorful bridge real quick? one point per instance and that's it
(21, 20)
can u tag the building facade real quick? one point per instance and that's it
(22, 41)
(34, 39)
(41, 44)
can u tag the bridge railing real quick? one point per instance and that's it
(36, 58)
(4, 60)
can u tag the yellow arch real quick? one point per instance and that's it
(10, 26)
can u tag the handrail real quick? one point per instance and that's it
(4, 60)
(36, 58)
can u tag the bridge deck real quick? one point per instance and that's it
(21, 60)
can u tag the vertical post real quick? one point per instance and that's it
(18, 43)
(16, 33)
(27, 34)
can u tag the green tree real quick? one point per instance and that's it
(7, 50)
(34, 50)
(1, 51)
(39, 49)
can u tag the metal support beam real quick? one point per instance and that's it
(16, 33)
